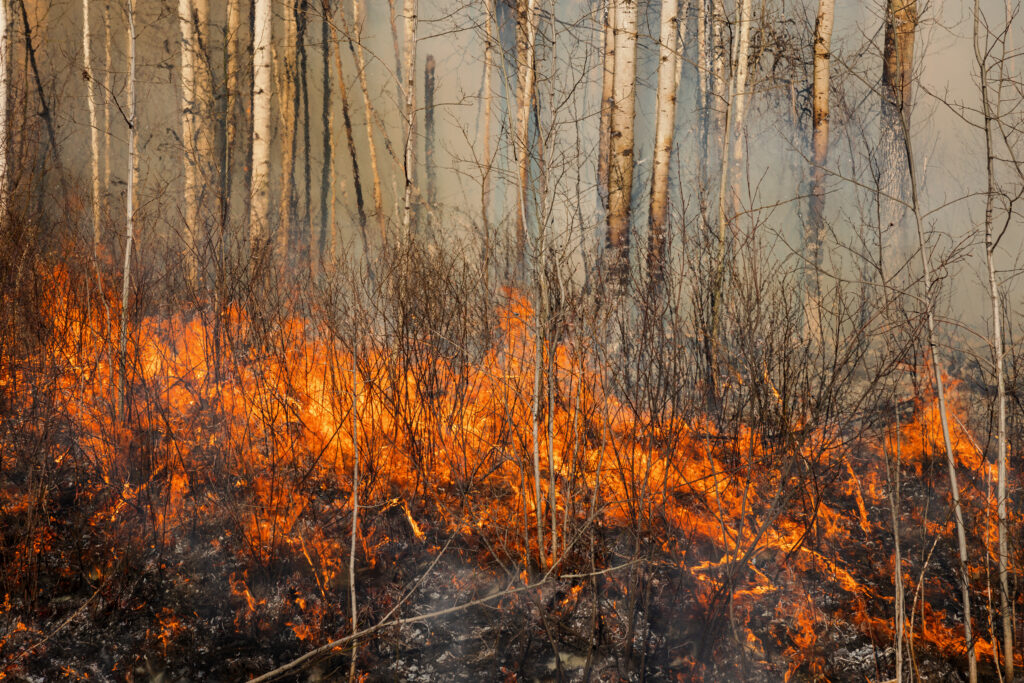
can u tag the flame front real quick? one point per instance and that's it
(243, 441)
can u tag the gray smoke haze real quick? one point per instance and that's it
(947, 140)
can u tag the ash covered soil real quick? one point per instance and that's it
(194, 612)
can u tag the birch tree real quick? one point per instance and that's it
(996, 343)
(703, 70)
(189, 128)
(259, 212)
(4, 93)
(485, 184)
(302, 94)
(94, 130)
(897, 72)
(108, 75)
(738, 102)
(409, 68)
(429, 131)
(526, 56)
(318, 240)
(664, 129)
(288, 102)
(621, 152)
(819, 144)
(133, 170)
(607, 101)
(717, 92)
(735, 106)
(230, 94)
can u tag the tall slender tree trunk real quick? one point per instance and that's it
(133, 169)
(485, 184)
(620, 172)
(378, 195)
(350, 138)
(229, 126)
(4, 92)
(664, 132)
(703, 67)
(429, 131)
(526, 72)
(607, 102)
(725, 138)
(108, 75)
(45, 113)
(189, 134)
(231, 38)
(289, 101)
(996, 342)
(703, 104)
(411, 23)
(897, 74)
(206, 127)
(94, 130)
(738, 103)
(820, 112)
(717, 93)
(318, 242)
(353, 660)
(302, 78)
(259, 211)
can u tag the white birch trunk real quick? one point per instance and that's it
(485, 188)
(526, 44)
(664, 130)
(740, 99)
(4, 92)
(318, 237)
(129, 218)
(897, 74)
(996, 342)
(718, 92)
(411, 25)
(259, 211)
(94, 130)
(820, 114)
(108, 37)
(231, 51)
(189, 117)
(622, 133)
(286, 74)
(607, 101)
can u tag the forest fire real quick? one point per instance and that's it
(511, 340)
(227, 477)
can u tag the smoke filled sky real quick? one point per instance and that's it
(947, 148)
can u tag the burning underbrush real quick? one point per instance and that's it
(520, 514)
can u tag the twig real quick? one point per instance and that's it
(310, 656)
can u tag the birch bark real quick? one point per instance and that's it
(411, 26)
(622, 134)
(259, 212)
(94, 130)
(820, 114)
(664, 130)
